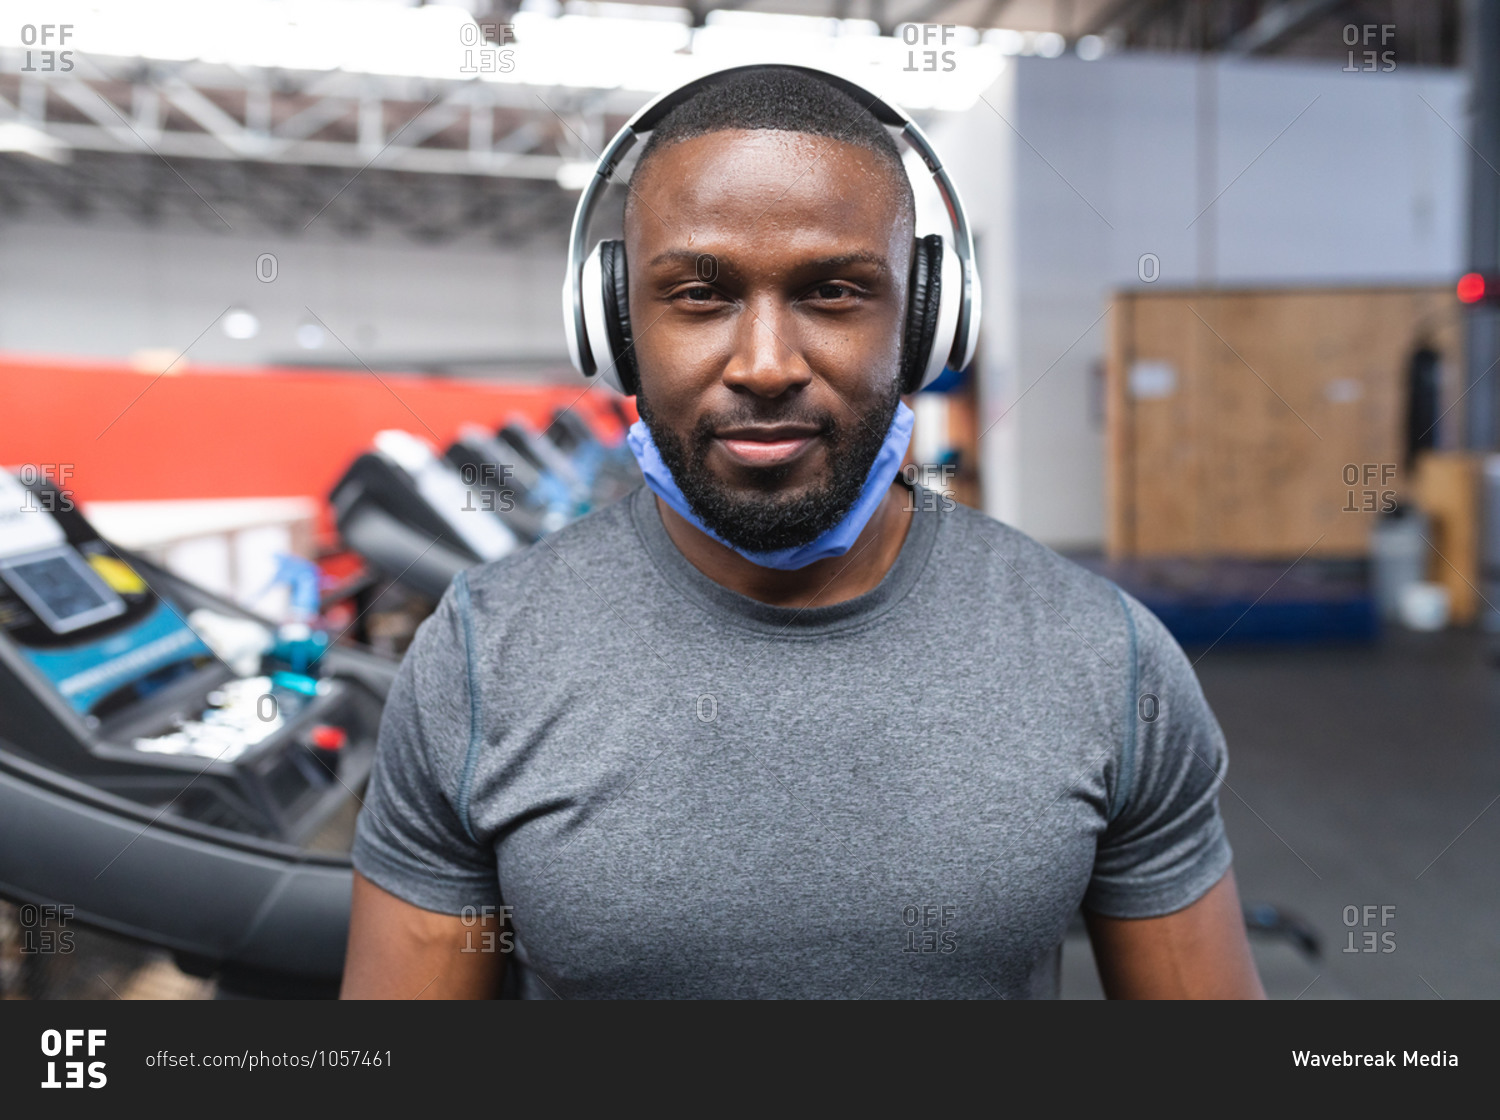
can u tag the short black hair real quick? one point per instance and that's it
(781, 99)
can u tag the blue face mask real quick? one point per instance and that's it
(835, 542)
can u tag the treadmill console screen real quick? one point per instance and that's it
(64, 591)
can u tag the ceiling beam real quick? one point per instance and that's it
(1277, 24)
(316, 117)
(315, 153)
(1118, 14)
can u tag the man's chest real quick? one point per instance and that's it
(791, 810)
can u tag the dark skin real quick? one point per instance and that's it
(811, 241)
(808, 301)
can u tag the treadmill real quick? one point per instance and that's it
(535, 462)
(158, 791)
(508, 485)
(418, 520)
(412, 517)
(548, 458)
(609, 472)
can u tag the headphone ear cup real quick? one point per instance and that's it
(924, 297)
(614, 281)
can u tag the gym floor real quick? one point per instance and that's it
(1361, 798)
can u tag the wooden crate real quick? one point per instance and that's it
(1235, 419)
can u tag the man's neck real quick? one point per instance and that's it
(820, 584)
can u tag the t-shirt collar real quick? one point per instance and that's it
(789, 621)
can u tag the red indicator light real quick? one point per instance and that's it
(1470, 288)
(328, 738)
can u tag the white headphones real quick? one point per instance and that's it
(942, 317)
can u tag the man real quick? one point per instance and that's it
(780, 724)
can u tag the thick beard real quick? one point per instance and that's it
(765, 519)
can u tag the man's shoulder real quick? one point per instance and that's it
(1004, 567)
(990, 555)
(596, 551)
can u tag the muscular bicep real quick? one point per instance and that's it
(400, 951)
(1198, 952)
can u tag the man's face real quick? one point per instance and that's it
(768, 276)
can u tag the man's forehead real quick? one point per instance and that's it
(805, 253)
(771, 180)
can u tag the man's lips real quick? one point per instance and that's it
(767, 446)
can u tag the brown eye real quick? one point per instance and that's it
(831, 291)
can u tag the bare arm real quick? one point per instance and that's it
(1200, 952)
(400, 951)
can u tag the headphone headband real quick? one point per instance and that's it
(955, 347)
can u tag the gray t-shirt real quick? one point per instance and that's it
(675, 790)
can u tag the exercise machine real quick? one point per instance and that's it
(413, 519)
(165, 790)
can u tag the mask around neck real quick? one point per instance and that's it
(833, 542)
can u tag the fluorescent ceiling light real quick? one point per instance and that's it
(16, 136)
(240, 324)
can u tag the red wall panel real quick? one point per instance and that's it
(221, 432)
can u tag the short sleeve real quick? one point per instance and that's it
(1165, 845)
(411, 838)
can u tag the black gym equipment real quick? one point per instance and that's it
(418, 520)
(412, 517)
(547, 457)
(504, 482)
(609, 472)
(157, 791)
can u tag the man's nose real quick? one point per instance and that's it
(766, 360)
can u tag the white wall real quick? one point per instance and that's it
(108, 288)
(1113, 159)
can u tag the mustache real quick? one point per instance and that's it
(752, 413)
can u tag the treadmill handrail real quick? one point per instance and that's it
(14, 763)
(227, 903)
